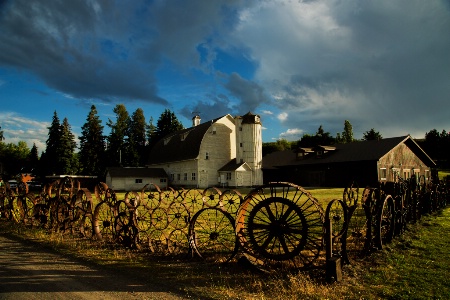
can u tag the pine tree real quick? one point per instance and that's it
(118, 137)
(167, 124)
(347, 134)
(33, 159)
(92, 145)
(137, 139)
(372, 135)
(49, 162)
(151, 134)
(67, 159)
(1, 134)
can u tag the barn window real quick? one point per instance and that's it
(383, 174)
(406, 173)
(207, 155)
(240, 144)
(185, 176)
(193, 176)
(163, 180)
(138, 180)
(427, 175)
(229, 176)
(178, 177)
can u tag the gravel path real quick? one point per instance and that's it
(28, 271)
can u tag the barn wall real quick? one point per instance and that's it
(404, 162)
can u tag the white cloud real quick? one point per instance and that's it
(17, 128)
(293, 134)
(282, 116)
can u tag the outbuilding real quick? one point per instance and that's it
(134, 179)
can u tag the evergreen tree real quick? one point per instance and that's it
(118, 136)
(372, 135)
(151, 134)
(167, 124)
(347, 134)
(92, 145)
(137, 139)
(33, 159)
(49, 162)
(67, 160)
(1, 134)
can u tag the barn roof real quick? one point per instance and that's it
(350, 152)
(137, 172)
(181, 145)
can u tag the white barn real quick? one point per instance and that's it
(226, 151)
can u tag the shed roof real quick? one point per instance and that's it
(350, 152)
(137, 172)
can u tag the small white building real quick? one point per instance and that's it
(134, 179)
(226, 151)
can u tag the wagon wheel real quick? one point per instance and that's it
(8, 205)
(372, 207)
(41, 215)
(337, 213)
(385, 222)
(159, 219)
(66, 189)
(28, 202)
(126, 231)
(100, 191)
(231, 199)
(111, 197)
(82, 211)
(177, 241)
(168, 196)
(193, 200)
(356, 235)
(157, 241)
(151, 196)
(177, 215)
(351, 194)
(103, 221)
(211, 197)
(63, 216)
(143, 218)
(280, 224)
(212, 235)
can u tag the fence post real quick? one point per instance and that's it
(333, 263)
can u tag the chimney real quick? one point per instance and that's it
(196, 120)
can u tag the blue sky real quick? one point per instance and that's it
(298, 64)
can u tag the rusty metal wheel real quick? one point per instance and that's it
(159, 219)
(67, 188)
(385, 222)
(100, 191)
(22, 188)
(211, 197)
(351, 194)
(103, 221)
(125, 225)
(178, 242)
(280, 224)
(212, 235)
(193, 199)
(151, 196)
(177, 215)
(337, 212)
(82, 213)
(231, 199)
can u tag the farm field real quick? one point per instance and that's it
(414, 266)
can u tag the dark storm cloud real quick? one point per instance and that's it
(111, 49)
(250, 94)
(381, 64)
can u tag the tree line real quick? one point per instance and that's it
(321, 137)
(127, 145)
(131, 138)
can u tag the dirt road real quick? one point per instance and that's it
(30, 271)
